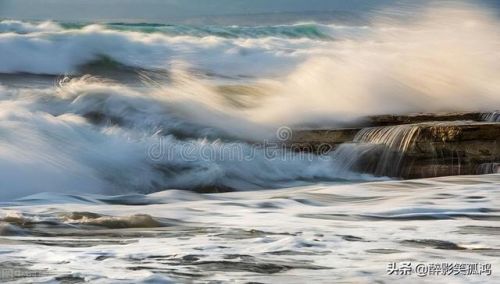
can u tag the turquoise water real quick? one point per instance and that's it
(306, 30)
(301, 30)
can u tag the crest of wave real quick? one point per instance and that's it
(13, 26)
(47, 145)
(447, 60)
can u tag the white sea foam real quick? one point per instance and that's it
(11, 26)
(446, 61)
(47, 145)
(318, 233)
(63, 51)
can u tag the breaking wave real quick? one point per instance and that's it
(223, 89)
(51, 48)
(97, 137)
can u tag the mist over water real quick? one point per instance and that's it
(439, 63)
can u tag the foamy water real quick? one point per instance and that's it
(319, 233)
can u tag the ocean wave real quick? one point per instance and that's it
(303, 30)
(56, 51)
(117, 137)
(387, 48)
(49, 145)
(12, 26)
(309, 30)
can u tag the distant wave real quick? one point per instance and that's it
(306, 30)
(300, 30)
(12, 26)
(34, 49)
(62, 48)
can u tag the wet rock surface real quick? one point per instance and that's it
(388, 120)
(413, 146)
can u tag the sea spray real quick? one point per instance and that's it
(446, 61)
(51, 142)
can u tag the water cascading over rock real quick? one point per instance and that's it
(417, 150)
(492, 116)
(378, 150)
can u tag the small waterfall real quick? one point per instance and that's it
(423, 150)
(378, 150)
(488, 168)
(491, 117)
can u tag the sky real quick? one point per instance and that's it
(172, 11)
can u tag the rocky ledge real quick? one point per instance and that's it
(413, 146)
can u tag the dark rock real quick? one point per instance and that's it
(388, 120)
(437, 244)
(419, 150)
(453, 149)
(321, 140)
(99, 118)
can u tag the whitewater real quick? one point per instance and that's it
(132, 152)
